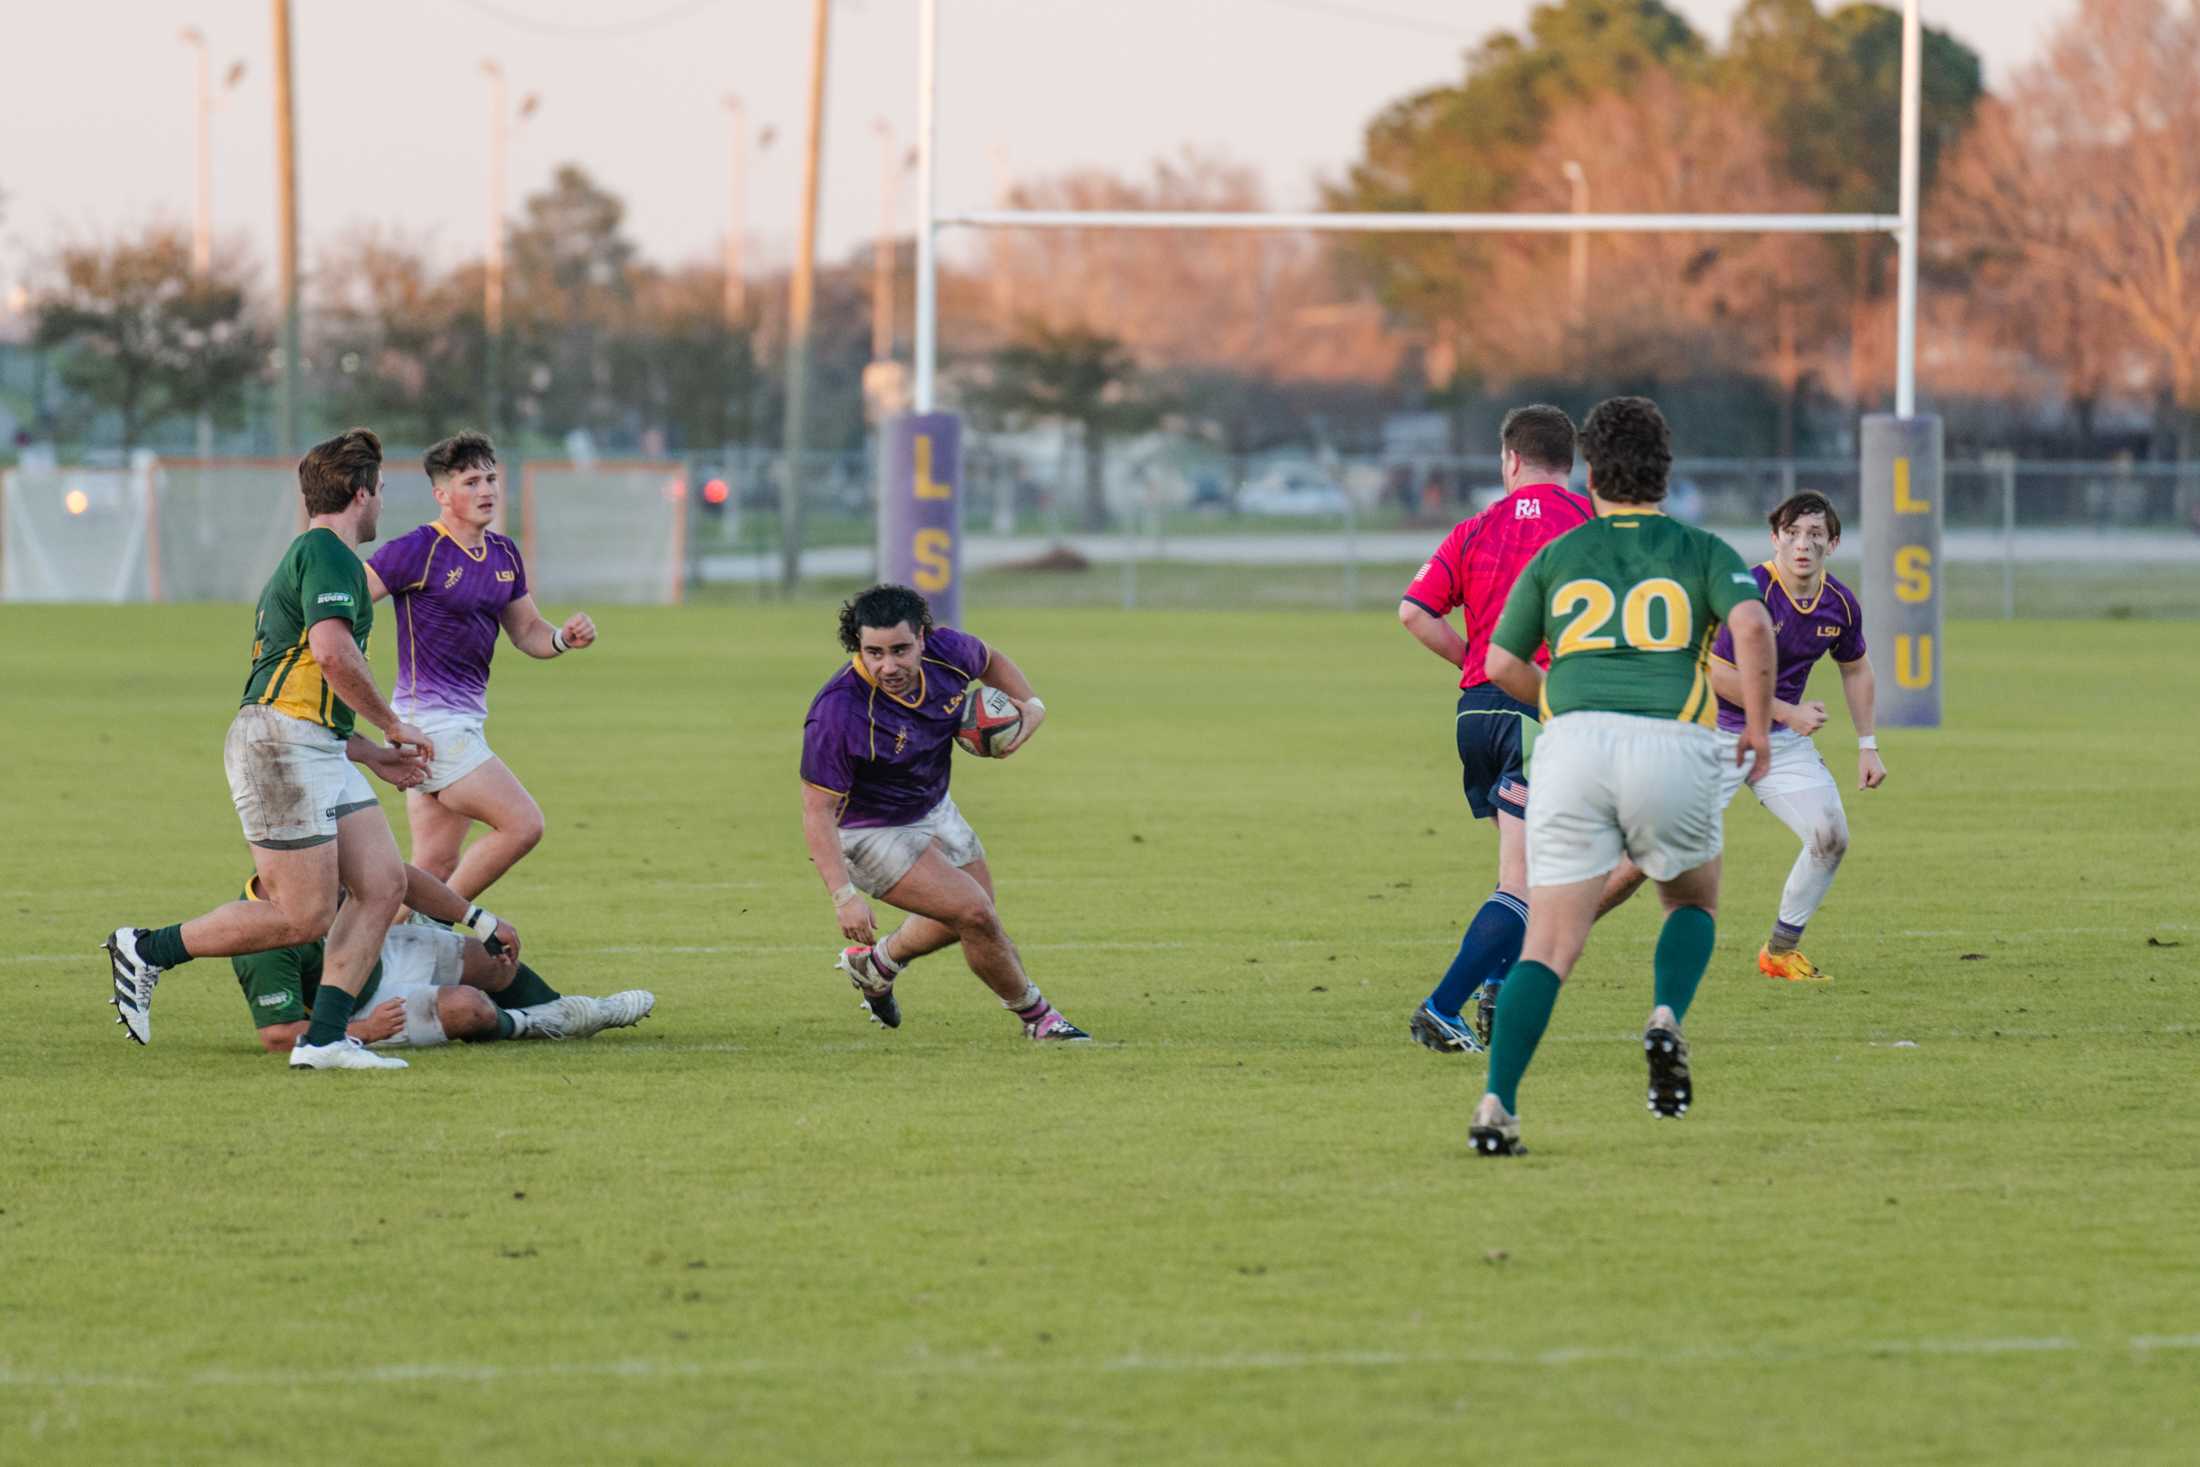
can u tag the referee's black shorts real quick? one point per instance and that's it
(1493, 743)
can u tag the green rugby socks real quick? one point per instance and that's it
(1684, 951)
(1524, 1006)
(163, 947)
(331, 1015)
(525, 991)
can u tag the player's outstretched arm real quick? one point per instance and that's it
(821, 833)
(1860, 688)
(1004, 674)
(427, 895)
(523, 622)
(1433, 632)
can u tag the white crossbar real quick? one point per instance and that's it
(1426, 223)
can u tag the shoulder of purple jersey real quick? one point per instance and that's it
(402, 555)
(1762, 570)
(842, 690)
(1851, 608)
(956, 648)
(505, 543)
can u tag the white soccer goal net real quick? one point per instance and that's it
(606, 531)
(77, 535)
(221, 525)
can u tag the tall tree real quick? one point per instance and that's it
(1078, 377)
(2085, 181)
(571, 287)
(138, 333)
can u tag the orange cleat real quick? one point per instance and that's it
(1791, 965)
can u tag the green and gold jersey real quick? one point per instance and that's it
(1629, 604)
(279, 985)
(320, 577)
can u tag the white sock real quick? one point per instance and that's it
(883, 961)
(1819, 823)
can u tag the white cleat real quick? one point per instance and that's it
(625, 1010)
(134, 980)
(346, 1053)
(570, 1017)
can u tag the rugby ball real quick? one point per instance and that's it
(990, 723)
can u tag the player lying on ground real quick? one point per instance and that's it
(432, 984)
(877, 816)
(1629, 763)
(1812, 615)
(1475, 568)
(455, 581)
(315, 829)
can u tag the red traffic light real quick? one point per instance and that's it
(715, 492)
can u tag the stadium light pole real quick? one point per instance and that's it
(492, 272)
(737, 205)
(286, 233)
(799, 295)
(891, 167)
(202, 214)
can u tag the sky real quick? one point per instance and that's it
(97, 103)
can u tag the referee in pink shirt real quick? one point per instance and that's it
(1473, 571)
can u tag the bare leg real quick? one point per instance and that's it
(438, 834)
(1696, 888)
(917, 936)
(298, 902)
(1512, 855)
(374, 879)
(1626, 879)
(494, 796)
(955, 900)
(1559, 918)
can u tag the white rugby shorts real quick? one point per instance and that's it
(1796, 769)
(1608, 784)
(880, 856)
(290, 779)
(416, 961)
(460, 745)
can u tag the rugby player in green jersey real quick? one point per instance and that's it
(1630, 759)
(315, 828)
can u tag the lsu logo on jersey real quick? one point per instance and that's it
(451, 578)
(1527, 509)
(506, 576)
(1826, 631)
(955, 703)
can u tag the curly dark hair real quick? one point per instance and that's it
(1810, 501)
(458, 453)
(1629, 449)
(882, 606)
(332, 472)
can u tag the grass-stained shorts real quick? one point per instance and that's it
(1614, 783)
(289, 779)
(880, 856)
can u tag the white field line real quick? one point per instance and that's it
(1257, 945)
(989, 1366)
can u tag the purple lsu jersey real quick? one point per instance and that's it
(1831, 622)
(449, 602)
(886, 759)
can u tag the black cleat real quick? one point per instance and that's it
(1670, 1087)
(1443, 1033)
(1485, 1013)
(1495, 1131)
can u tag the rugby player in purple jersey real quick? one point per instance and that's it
(876, 754)
(455, 582)
(1812, 615)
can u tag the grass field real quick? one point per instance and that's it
(1941, 1210)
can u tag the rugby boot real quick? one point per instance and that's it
(346, 1053)
(1446, 1034)
(134, 979)
(873, 987)
(1050, 1025)
(1790, 965)
(1670, 1086)
(1496, 1131)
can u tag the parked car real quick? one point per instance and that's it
(1293, 493)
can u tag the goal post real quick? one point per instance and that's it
(1919, 470)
